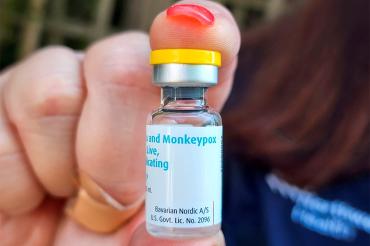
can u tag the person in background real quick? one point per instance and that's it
(297, 130)
(296, 161)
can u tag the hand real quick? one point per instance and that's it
(63, 112)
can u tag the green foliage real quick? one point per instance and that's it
(10, 29)
(71, 22)
(15, 6)
(82, 10)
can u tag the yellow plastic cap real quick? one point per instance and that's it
(185, 56)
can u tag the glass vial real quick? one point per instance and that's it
(184, 147)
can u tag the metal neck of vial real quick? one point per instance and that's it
(184, 85)
(185, 75)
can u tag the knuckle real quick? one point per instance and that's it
(57, 98)
(46, 84)
(55, 51)
(118, 59)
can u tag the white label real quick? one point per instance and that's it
(183, 175)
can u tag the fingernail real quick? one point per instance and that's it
(192, 12)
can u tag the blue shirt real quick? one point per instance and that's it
(259, 208)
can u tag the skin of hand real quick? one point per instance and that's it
(63, 112)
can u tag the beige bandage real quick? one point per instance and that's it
(94, 209)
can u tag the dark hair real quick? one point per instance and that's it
(305, 111)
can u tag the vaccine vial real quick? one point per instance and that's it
(184, 147)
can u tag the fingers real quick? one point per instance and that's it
(19, 189)
(110, 142)
(43, 98)
(70, 233)
(141, 237)
(223, 36)
(35, 228)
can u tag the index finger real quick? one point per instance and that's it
(197, 24)
(201, 24)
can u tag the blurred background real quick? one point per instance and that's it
(26, 25)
